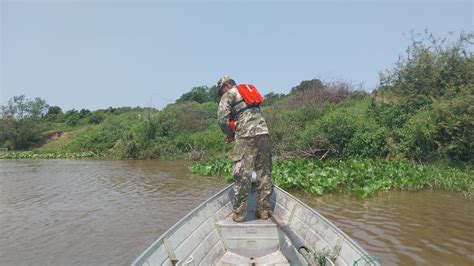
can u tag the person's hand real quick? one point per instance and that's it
(228, 140)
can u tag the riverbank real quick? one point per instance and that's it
(361, 177)
(406, 130)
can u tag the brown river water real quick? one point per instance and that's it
(101, 212)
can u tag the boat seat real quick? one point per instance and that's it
(274, 259)
(252, 238)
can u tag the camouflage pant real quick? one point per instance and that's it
(252, 154)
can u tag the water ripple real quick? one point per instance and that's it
(406, 228)
(62, 212)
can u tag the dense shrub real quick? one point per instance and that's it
(430, 96)
(180, 118)
(95, 119)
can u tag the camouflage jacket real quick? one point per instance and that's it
(249, 122)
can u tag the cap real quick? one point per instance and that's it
(223, 80)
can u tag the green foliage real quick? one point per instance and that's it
(344, 131)
(444, 130)
(454, 120)
(84, 113)
(72, 117)
(271, 97)
(19, 107)
(200, 94)
(339, 128)
(19, 122)
(428, 101)
(295, 120)
(55, 155)
(362, 177)
(432, 68)
(54, 110)
(422, 111)
(96, 119)
(218, 166)
(54, 113)
(308, 85)
(180, 118)
(95, 139)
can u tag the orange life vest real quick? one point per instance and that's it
(250, 96)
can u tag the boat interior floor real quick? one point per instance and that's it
(251, 242)
(275, 258)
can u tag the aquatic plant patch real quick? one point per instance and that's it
(362, 177)
(53, 155)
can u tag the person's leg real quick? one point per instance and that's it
(263, 167)
(243, 162)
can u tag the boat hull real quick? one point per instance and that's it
(208, 236)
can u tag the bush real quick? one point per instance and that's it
(184, 117)
(72, 118)
(200, 94)
(441, 131)
(95, 119)
(454, 120)
(430, 94)
(417, 137)
(432, 69)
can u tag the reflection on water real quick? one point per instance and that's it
(64, 212)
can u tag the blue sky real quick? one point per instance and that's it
(96, 54)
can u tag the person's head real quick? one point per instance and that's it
(224, 84)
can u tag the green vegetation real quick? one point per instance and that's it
(415, 131)
(35, 155)
(360, 176)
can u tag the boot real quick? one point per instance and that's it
(238, 218)
(262, 215)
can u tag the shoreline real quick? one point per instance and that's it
(359, 176)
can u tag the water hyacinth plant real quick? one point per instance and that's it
(362, 177)
(55, 155)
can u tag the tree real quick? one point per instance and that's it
(83, 113)
(37, 108)
(95, 119)
(16, 108)
(54, 110)
(306, 85)
(198, 94)
(271, 98)
(19, 119)
(213, 94)
(72, 117)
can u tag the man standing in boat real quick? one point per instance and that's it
(241, 120)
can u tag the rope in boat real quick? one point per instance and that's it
(367, 260)
(320, 256)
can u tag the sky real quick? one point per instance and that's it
(96, 54)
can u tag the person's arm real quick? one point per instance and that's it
(224, 114)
